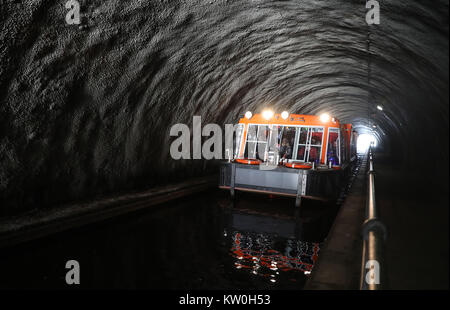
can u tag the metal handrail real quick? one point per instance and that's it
(374, 233)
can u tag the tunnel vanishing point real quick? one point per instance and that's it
(86, 110)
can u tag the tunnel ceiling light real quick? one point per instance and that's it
(285, 115)
(324, 117)
(248, 115)
(379, 107)
(267, 114)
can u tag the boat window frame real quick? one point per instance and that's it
(257, 135)
(297, 136)
(239, 137)
(338, 147)
(308, 144)
(282, 134)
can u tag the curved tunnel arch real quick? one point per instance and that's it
(97, 104)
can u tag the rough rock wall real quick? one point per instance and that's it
(87, 110)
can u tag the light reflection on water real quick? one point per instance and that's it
(278, 248)
(201, 243)
(255, 253)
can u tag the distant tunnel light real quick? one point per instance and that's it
(267, 114)
(248, 115)
(379, 107)
(324, 117)
(364, 141)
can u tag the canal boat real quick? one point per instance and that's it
(301, 156)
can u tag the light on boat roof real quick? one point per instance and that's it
(284, 114)
(267, 114)
(248, 115)
(379, 107)
(324, 117)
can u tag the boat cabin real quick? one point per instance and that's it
(297, 140)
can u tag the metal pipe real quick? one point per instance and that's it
(371, 210)
(374, 234)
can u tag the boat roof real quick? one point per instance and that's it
(293, 119)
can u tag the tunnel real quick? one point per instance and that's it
(86, 109)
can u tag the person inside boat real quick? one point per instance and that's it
(285, 149)
(313, 154)
(332, 157)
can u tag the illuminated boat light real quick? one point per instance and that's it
(324, 117)
(267, 114)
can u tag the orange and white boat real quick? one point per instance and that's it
(289, 154)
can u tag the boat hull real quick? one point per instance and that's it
(323, 184)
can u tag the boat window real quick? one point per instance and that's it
(302, 139)
(238, 141)
(315, 145)
(303, 135)
(333, 150)
(309, 146)
(287, 142)
(256, 145)
(273, 147)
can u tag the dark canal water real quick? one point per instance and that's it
(200, 242)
